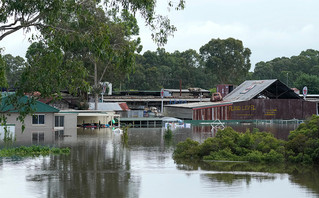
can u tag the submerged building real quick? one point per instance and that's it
(252, 100)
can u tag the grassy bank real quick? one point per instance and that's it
(261, 147)
(34, 150)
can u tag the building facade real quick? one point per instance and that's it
(252, 100)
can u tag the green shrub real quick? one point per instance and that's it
(254, 156)
(208, 146)
(302, 146)
(168, 134)
(304, 142)
(273, 157)
(223, 155)
(187, 150)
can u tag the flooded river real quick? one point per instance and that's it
(101, 165)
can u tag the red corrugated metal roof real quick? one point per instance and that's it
(124, 106)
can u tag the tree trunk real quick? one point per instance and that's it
(96, 94)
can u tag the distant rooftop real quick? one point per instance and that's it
(109, 106)
(253, 89)
(250, 89)
(199, 104)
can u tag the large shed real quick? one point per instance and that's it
(262, 99)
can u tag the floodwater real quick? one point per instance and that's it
(101, 165)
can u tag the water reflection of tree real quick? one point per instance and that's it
(235, 173)
(98, 166)
(306, 176)
(236, 178)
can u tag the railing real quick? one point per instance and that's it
(217, 124)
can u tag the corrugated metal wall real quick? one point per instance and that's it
(263, 109)
(273, 109)
(182, 113)
(211, 113)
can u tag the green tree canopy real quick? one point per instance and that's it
(227, 59)
(49, 72)
(102, 40)
(16, 15)
(3, 79)
(311, 81)
(159, 69)
(296, 71)
(14, 69)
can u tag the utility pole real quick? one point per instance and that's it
(162, 96)
(180, 87)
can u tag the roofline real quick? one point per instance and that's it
(270, 83)
(50, 108)
(222, 105)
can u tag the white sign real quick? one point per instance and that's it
(305, 91)
(162, 93)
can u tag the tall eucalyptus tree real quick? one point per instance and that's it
(77, 32)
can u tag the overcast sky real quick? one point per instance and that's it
(269, 28)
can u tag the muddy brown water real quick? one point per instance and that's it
(101, 165)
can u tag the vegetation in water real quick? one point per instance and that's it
(303, 144)
(168, 133)
(125, 134)
(229, 145)
(34, 150)
(8, 136)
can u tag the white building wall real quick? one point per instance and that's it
(43, 132)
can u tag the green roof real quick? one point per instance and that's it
(38, 107)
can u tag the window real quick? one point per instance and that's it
(37, 137)
(38, 119)
(59, 121)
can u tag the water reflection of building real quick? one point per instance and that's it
(98, 166)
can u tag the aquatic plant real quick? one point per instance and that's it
(168, 133)
(34, 150)
(125, 134)
(8, 136)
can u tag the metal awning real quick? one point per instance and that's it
(97, 114)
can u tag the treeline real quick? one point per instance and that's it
(158, 69)
(161, 69)
(218, 61)
(296, 71)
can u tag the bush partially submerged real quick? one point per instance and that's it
(229, 145)
(34, 150)
(168, 133)
(303, 144)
